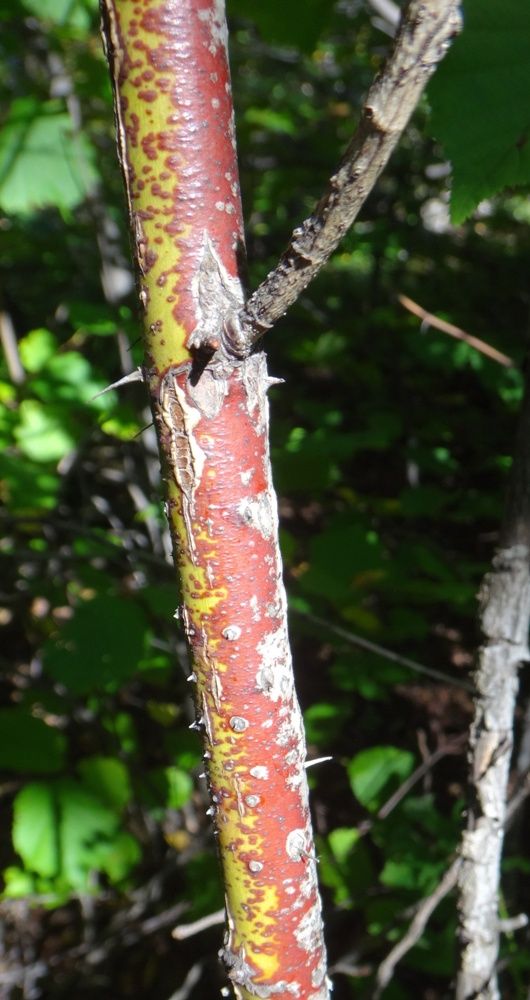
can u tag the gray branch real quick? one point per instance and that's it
(425, 34)
(504, 617)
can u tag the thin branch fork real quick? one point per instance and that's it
(426, 32)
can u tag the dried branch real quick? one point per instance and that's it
(428, 905)
(386, 969)
(425, 34)
(8, 340)
(428, 319)
(184, 931)
(504, 618)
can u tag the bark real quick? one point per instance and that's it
(176, 143)
(504, 619)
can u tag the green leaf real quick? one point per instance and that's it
(481, 109)
(34, 827)
(18, 883)
(342, 841)
(180, 787)
(323, 721)
(371, 771)
(27, 487)
(117, 856)
(36, 348)
(108, 778)
(75, 13)
(84, 822)
(101, 645)
(42, 161)
(41, 433)
(29, 745)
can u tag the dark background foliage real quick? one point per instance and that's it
(390, 443)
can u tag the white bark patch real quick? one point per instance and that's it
(209, 392)
(254, 372)
(257, 512)
(275, 677)
(295, 844)
(254, 606)
(187, 458)
(231, 633)
(218, 295)
(308, 933)
(214, 17)
(260, 772)
(291, 730)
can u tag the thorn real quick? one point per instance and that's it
(191, 678)
(271, 380)
(210, 811)
(136, 375)
(317, 760)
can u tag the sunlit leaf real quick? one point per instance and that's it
(36, 348)
(35, 820)
(42, 161)
(371, 771)
(41, 433)
(76, 13)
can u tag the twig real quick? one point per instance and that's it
(388, 15)
(386, 969)
(190, 981)
(510, 924)
(184, 931)
(428, 319)
(387, 654)
(423, 38)
(8, 339)
(451, 746)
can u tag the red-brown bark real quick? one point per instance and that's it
(175, 129)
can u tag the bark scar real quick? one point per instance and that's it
(186, 458)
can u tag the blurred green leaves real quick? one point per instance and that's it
(374, 772)
(29, 744)
(101, 645)
(67, 831)
(42, 161)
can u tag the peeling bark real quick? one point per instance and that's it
(504, 619)
(176, 141)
